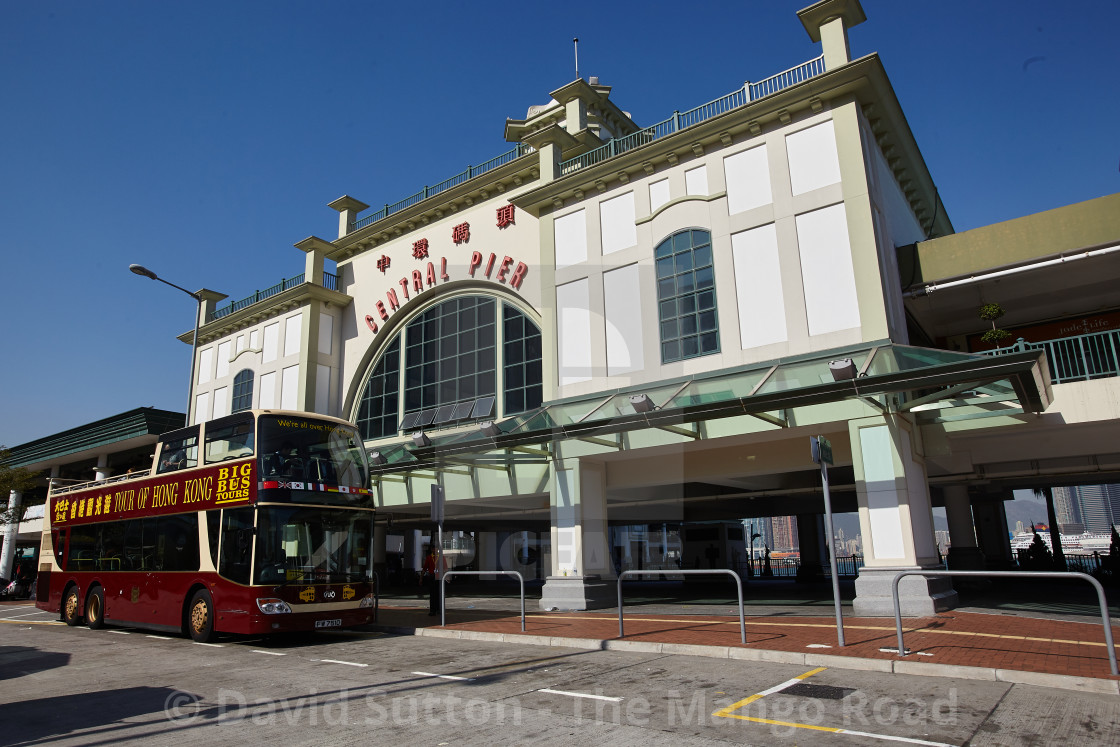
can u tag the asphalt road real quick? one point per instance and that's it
(63, 686)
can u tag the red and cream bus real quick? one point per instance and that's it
(258, 522)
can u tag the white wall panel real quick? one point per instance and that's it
(813, 162)
(293, 328)
(748, 180)
(623, 309)
(223, 359)
(570, 234)
(696, 181)
(826, 270)
(573, 334)
(271, 342)
(758, 287)
(255, 339)
(289, 388)
(221, 402)
(616, 220)
(205, 365)
(658, 194)
(202, 407)
(266, 391)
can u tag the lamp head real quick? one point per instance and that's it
(142, 270)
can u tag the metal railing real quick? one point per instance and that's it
(1078, 358)
(519, 150)
(443, 591)
(1009, 574)
(722, 571)
(682, 120)
(330, 282)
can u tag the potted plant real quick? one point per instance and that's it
(990, 312)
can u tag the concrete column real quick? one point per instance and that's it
(581, 554)
(413, 549)
(810, 541)
(1055, 530)
(379, 563)
(550, 161)
(316, 250)
(102, 471)
(348, 209)
(8, 555)
(575, 114)
(896, 520)
(487, 549)
(828, 22)
(964, 553)
(991, 531)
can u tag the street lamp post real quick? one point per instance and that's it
(145, 272)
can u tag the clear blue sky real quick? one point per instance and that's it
(203, 139)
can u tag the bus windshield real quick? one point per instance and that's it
(312, 545)
(311, 461)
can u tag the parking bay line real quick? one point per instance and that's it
(589, 696)
(336, 661)
(727, 713)
(269, 653)
(445, 676)
(27, 614)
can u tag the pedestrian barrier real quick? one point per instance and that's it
(722, 571)
(1010, 574)
(449, 574)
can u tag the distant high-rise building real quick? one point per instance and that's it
(784, 529)
(1099, 506)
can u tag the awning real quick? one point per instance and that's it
(891, 378)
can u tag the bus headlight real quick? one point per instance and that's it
(273, 606)
(366, 603)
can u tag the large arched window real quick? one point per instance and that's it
(242, 391)
(686, 295)
(450, 364)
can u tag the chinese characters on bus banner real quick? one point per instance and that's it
(491, 267)
(212, 488)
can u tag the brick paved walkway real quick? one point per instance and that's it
(956, 638)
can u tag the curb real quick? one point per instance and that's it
(886, 666)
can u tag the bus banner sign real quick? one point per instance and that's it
(216, 487)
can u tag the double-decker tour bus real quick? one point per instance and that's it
(258, 522)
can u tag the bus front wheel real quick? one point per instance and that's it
(70, 603)
(200, 616)
(95, 609)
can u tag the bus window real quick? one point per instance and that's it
(111, 556)
(237, 544)
(311, 453)
(83, 548)
(176, 542)
(229, 438)
(178, 451)
(135, 558)
(213, 524)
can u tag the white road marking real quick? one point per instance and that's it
(445, 676)
(270, 653)
(120, 632)
(27, 614)
(21, 607)
(215, 645)
(347, 663)
(580, 695)
(160, 637)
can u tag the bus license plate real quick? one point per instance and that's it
(328, 623)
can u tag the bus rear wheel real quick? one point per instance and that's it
(200, 616)
(95, 609)
(70, 604)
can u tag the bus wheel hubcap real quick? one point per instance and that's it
(94, 609)
(71, 605)
(198, 617)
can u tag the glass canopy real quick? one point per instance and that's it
(893, 378)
